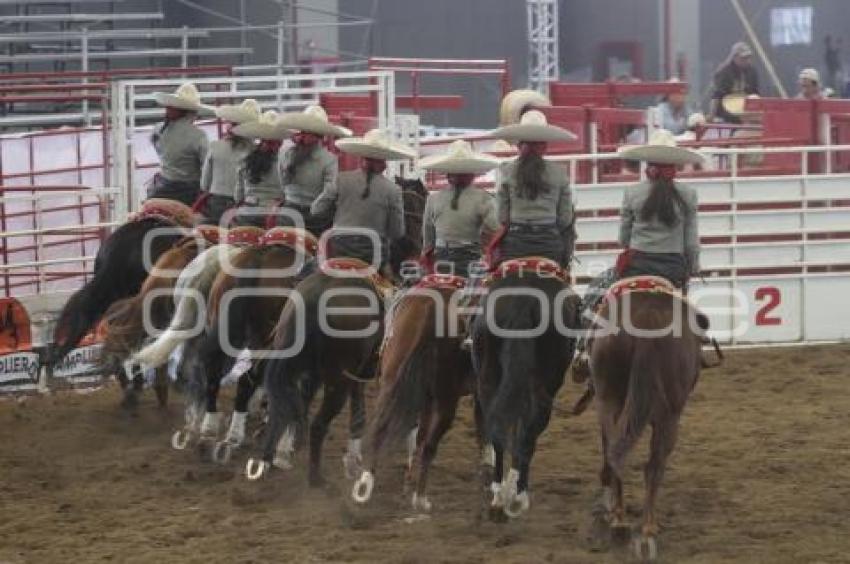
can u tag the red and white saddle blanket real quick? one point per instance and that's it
(170, 211)
(345, 267)
(540, 267)
(441, 282)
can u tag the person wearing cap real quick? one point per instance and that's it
(181, 145)
(258, 184)
(365, 199)
(737, 78)
(220, 173)
(810, 87)
(659, 227)
(307, 168)
(459, 218)
(534, 202)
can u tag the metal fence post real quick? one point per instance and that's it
(184, 47)
(84, 66)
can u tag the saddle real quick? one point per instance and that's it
(441, 282)
(347, 267)
(297, 239)
(541, 267)
(170, 211)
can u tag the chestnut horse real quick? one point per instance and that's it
(642, 377)
(423, 374)
(521, 353)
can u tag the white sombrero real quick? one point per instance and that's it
(314, 119)
(517, 101)
(460, 159)
(661, 149)
(186, 97)
(248, 110)
(268, 127)
(533, 128)
(376, 144)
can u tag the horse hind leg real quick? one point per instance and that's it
(661, 444)
(160, 386)
(443, 414)
(246, 386)
(353, 459)
(332, 403)
(517, 499)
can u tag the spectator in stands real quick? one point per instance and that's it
(832, 60)
(810, 86)
(734, 80)
(673, 112)
(181, 145)
(307, 168)
(365, 199)
(219, 176)
(259, 189)
(534, 202)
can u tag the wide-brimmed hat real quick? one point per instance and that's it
(313, 119)
(459, 159)
(186, 97)
(376, 144)
(533, 128)
(248, 110)
(661, 149)
(518, 101)
(268, 127)
(810, 74)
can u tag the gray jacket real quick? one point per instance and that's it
(652, 236)
(441, 224)
(267, 192)
(182, 148)
(317, 174)
(221, 167)
(382, 211)
(554, 206)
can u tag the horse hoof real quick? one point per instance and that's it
(353, 465)
(222, 452)
(256, 469)
(517, 505)
(362, 490)
(180, 439)
(648, 543)
(422, 503)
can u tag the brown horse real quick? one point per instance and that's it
(644, 366)
(423, 374)
(124, 320)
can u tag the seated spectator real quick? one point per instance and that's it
(673, 113)
(810, 85)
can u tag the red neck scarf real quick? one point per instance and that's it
(660, 172)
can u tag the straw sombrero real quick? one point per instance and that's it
(533, 128)
(313, 119)
(661, 149)
(268, 127)
(248, 110)
(518, 101)
(376, 144)
(186, 97)
(459, 159)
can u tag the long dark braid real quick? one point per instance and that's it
(370, 174)
(258, 163)
(529, 177)
(664, 202)
(457, 191)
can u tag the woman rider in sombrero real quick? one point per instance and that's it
(658, 225)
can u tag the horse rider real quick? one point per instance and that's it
(534, 202)
(459, 219)
(258, 186)
(307, 168)
(658, 226)
(181, 145)
(364, 199)
(220, 173)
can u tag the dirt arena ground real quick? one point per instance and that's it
(760, 474)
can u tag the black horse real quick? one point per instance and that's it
(521, 354)
(119, 271)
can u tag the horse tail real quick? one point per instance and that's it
(187, 312)
(638, 406)
(400, 404)
(79, 315)
(517, 358)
